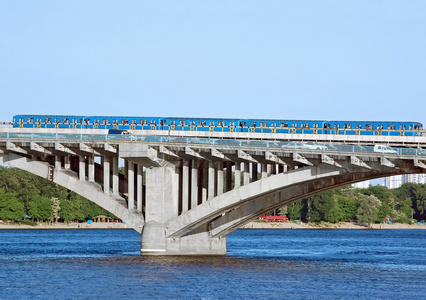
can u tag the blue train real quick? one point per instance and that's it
(118, 124)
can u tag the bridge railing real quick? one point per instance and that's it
(273, 145)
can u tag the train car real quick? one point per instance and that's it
(124, 123)
(49, 121)
(388, 128)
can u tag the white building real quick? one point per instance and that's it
(362, 184)
(394, 182)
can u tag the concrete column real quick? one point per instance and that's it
(204, 181)
(81, 168)
(211, 182)
(67, 165)
(131, 186)
(115, 176)
(237, 174)
(246, 173)
(194, 183)
(106, 167)
(162, 186)
(185, 185)
(91, 169)
(228, 176)
(139, 184)
(264, 170)
(219, 167)
(58, 163)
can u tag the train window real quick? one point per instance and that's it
(152, 122)
(326, 125)
(358, 126)
(263, 124)
(74, 121)
(173, 123)
(253, 124)
(273, 124)
(143, 122)
(243, 124)
(391, 127)
(284, 125)
(56, 121)
(201, 123)
(182, 123)
(124, 121)
(304, 125)
(105, 122)
(30, 120)
(231, 124)
(347, 126)
(221, 123)
(96, 121)
(315, 125)
(65, 121)
(134, 122)
(163, 122)
(48, 121)
(211, 123)
(401, 127)
(336, 126)
(368, 126)
(379, 126)
(411, 127)
(38, 121)
(294, 125)
(192, 123)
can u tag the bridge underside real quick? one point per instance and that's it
(186, 199)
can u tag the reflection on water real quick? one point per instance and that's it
(296, 264)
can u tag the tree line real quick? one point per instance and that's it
(26, 195)
(374, 204)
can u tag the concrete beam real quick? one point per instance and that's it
(273, 157)
(385, 162)
(329, 160)
(15, 148)
(299, 158)
(38, 148)
(358, 162)
(168, 152)
(85, 148)
(191, 152)
(419, 164)
(245, 156)
(62, 148)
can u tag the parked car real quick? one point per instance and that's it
(314, 146)
(384, 149)
(293, 145)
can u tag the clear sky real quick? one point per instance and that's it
(362, 60)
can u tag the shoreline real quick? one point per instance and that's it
(251, 225)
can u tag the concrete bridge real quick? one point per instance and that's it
(185, 191)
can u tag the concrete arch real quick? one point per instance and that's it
(67, 179)
(228, 212)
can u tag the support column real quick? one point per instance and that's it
(106, 166)
(194, 184)
(115, 176)
(246, 173)
(91, 171)
(204, 181)
(237, 174)
(264, 171)
(131, 186)
(228, 176)
(185, 185)
(139, 185)
(81, 168)
(58, 163)
(219, 183)
(67, 164)
(162, 187)
(211, 182)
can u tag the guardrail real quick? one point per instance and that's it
(329, 147)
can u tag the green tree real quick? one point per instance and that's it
(368, 208)
(11, 208)
(348, 207)
(40, 208)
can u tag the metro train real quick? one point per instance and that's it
(117, 124)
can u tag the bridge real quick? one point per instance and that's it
(186, 191)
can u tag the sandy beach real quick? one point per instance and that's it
(251, 225)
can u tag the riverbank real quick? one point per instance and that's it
(93, 225)
(343, 225)
(251, 225)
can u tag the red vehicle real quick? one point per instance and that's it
(273, 218)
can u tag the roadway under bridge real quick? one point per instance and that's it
(185, 192)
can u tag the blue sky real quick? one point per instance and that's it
(362, 60)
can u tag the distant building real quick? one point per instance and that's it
(394, 182)
(362, 184)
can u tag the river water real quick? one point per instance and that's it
(262, 263)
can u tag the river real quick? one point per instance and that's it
(263, 263)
